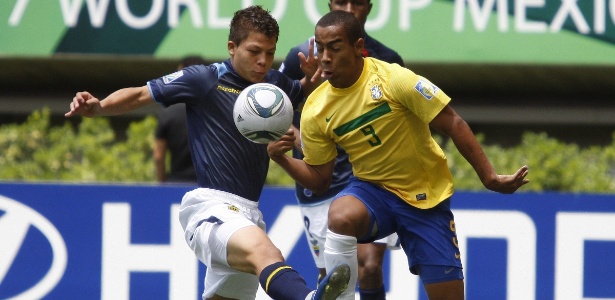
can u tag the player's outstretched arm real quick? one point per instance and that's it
(119, 102)
(451, 124)
(315, 178)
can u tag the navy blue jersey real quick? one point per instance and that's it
(223, 158)
(343, 169)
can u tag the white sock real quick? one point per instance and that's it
(342, 249)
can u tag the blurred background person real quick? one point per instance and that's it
(172, 137)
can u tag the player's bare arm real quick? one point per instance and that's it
(316, 178)
(119, 102)
(448, 122)
(297, 141)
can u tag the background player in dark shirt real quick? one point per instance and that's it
(314, 207)
(223, 225)
(172, 137)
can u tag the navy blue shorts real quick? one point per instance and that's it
(427, 235)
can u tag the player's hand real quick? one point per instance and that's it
(83, 104)
(280, 147)
(309, 65)
(508, 184)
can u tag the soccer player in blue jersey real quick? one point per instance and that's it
(381, 115)
(314, 207)
(221, 219)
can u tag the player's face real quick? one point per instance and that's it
(341, 61)
(253, 57)
(359, 8)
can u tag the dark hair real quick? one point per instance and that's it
(191, 60)
(252, 19)
(352, 26)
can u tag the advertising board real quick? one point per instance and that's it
(82, 241)
(565, 32)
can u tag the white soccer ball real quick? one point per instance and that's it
(263, 113)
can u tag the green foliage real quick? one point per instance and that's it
(277, 176)
(35, 150)
(554, 166)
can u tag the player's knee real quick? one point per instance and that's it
(341, 224)
(372, 265)
(261, 252)
(370, 268)
(270, 253)
(347, 218)
(371, 271)
(262, 257)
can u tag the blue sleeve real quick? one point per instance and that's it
(184, 86)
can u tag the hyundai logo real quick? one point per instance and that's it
(16, 220)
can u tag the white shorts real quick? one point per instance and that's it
(209, 218)
(315, 229)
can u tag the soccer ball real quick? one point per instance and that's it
(263, 113)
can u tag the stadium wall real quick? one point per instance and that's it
(84, 241)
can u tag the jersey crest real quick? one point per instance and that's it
(376, 92)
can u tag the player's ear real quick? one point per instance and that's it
(231, 48)
(359, 45)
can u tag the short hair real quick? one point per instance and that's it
(352, 26)
(252, 19)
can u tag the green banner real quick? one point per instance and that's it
(569, 32)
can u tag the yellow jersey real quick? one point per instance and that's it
(382, 122)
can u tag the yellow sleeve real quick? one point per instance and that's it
(420, 96)
(317, 147)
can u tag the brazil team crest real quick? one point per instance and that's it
(376, 92)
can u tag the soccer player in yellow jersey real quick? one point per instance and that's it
(381, 115)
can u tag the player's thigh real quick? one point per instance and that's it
(369, 211)
(349, 216)
(448, 290)
(428, 236)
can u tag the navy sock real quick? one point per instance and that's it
(375, 294)
(281, 281)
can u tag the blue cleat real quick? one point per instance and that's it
(334, 284)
